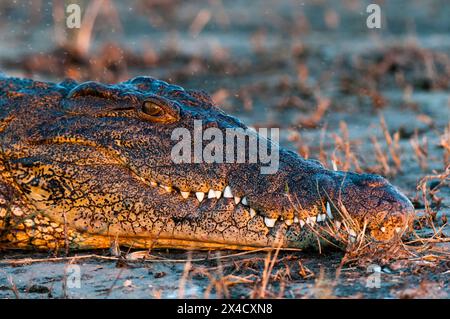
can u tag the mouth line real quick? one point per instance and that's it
(227, 194)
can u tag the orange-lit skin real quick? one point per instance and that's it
(82, 165)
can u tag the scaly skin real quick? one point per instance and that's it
(82, 165)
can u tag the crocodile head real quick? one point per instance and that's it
(99, 160)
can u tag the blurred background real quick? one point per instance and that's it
(356, 98)
(360, 99)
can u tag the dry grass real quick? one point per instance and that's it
(269, 275)
(420, 149)
(314, 119)
(260, 290)
(348, 160)
(388, 159)
(445, 144)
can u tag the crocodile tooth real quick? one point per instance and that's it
(383, 229)
(227, 192)
(237, 200)
(29, 223)
(352, 235)
(218, 194)
(311, 220)
(184, 194)
(302, 223)
(289, 222)
(211, 193)
(270, 222)
(296, 220)
(252, 212)
(330, 215)
(200, 196)
(333, 163)
(244, 201)
(321, 217)
(167, 188)
(337, 224)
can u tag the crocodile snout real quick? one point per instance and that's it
(371, 200)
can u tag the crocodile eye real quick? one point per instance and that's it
(152, 109)
(159, 110)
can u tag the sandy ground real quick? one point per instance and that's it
(313, 69)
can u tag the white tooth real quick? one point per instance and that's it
(185, 194)
(398, 229)
(330, 215)
(289, 222)
(302, 223)
(337, 224)
(167, 188)
(270, 222)
(383, 229)
(153, 183)
(237, 200)
(333, 163)
(351, 232)
(200, 196)
(227, 192)
(218, 194)
(252, 212)
(296, 220)
(311, 220)
(211, 193)
(321, 217)
(244, 201)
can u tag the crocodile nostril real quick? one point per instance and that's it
(210, 124)
(375, 184)
(374, 181)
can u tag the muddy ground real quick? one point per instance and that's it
(360, 99)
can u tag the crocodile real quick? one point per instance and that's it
(88, 166)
